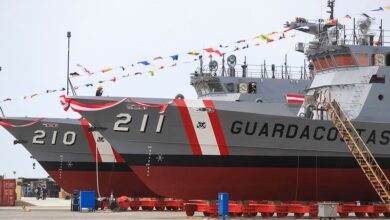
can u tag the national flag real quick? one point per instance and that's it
(113, 79)
(151, 72)
(173, 65)
(161, 67)
(295, 98)
(157, 58)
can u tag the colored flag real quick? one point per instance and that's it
(240, 41)
(146, 63)
(211, 50)
(378, 9)
(74, 74)
(106, 70)
(85, 69)
(62, 89)
(101, 81)
(271, 33)
(348, 16)
(175, 57)
(173, 65)
(161, 67)
(127, 75)
(295, 98)
(7, 99)
(88, 84)
(33, 95)
(138, 73)
(151, 72)
(113, 79)
(387, 7)
(76, 87)
(331, 22)
(123, 68)
(51, 90)
(257, 44)
(365, 15)
(222, 46)
(193, 53)
(157, 58)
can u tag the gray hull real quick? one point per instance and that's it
(200, 140)
(75, 158)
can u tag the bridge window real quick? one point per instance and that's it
(323, 63)
(388, 59)
(362, 58)
(330, 61)
(202, 89)
(215, 86)
(344, 60)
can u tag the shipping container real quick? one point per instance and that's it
(9, 184)
(8, 198)
(7, 192)
(1, 191)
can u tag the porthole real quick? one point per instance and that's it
(380, 97)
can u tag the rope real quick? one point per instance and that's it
(97, 172)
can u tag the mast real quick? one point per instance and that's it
(331, 7)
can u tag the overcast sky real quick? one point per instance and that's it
(109, 33)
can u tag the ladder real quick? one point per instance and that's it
(360, 151)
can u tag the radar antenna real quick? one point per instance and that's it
(331, 7)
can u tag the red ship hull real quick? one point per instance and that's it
(243, 183)
(118, 182)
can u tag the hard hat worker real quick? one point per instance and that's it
(99, 91)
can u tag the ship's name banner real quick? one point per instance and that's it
(305, 132)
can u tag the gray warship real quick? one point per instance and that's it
(75, 157)
(255, 147)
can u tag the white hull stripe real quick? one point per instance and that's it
(203, 128)
(104, 148)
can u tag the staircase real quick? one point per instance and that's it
(360, 151)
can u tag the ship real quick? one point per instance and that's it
(76, 157)
(260, 147)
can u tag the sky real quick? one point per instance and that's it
(111, 33)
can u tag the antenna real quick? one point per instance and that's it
(331, 7)
(68, 82)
